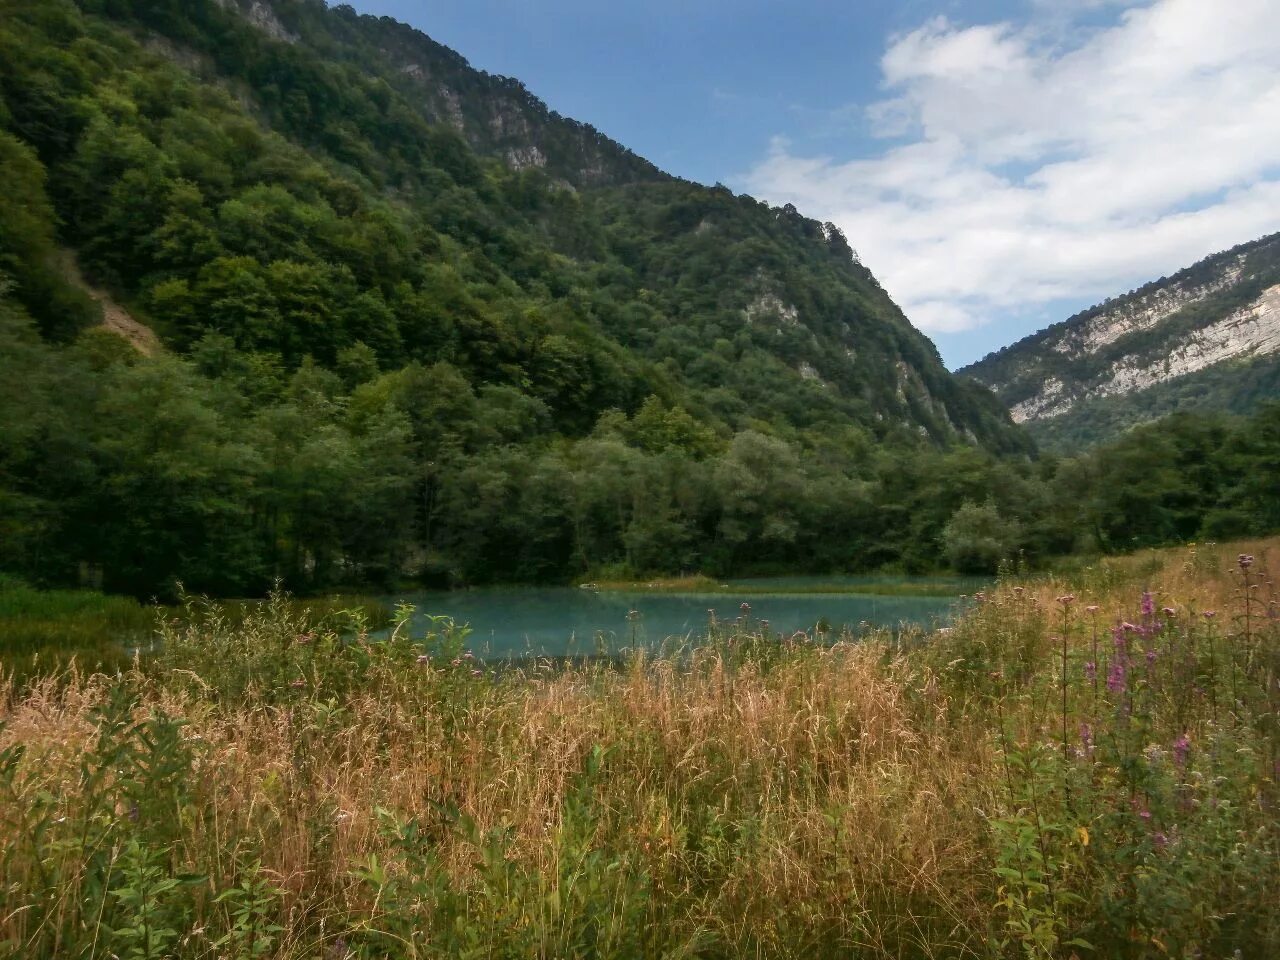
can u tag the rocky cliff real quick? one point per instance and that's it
(1132, 355)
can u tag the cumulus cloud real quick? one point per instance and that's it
(1023, 163)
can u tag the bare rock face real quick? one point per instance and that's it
(1224, 309)
(262, 16)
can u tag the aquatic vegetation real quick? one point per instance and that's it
(264, 789)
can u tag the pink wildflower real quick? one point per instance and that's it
(1181, 748)
(1116, 677)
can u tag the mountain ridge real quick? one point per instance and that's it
(1219, 313)
(390, 350)
(496, 114)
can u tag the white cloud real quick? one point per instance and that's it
(1031, 163)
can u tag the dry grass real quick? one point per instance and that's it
(810, 802)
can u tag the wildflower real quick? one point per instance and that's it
(1129, 627)
(304, 639)
(1091, 608)
(1210, 614)
(455, 662)
(1148, 603)
(476, 673)
(1067, 599)
(298, 684)
(1168, 611)
(1160, 839)
(1116, 677)
(424, 659)
(1151, 656)
(1245, 561)
(1090, 671)
(1181, 748)
(746, 607)
(1086, 735)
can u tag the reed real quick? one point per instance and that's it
(265, 788)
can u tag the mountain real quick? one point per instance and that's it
(1206, 339)
(289, 292)
(496, 115)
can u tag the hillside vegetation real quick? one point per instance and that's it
(1075, 767)
(389, 354)
(384, 349)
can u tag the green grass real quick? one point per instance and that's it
(43, 631)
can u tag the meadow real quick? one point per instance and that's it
(1074, 768)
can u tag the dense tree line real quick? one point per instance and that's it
(227, 472)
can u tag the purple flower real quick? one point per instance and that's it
(1086, 735)
(1151, 657)
(1121, 640)
(1245, 561)
(1181, 748)
(1116, 677)
(1210, 614)
(1148, 603)
(1090, 671)
(1160, 839)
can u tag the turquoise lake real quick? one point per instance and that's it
(523, 621)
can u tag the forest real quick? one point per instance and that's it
(383, 357)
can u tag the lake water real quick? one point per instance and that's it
(523, 621)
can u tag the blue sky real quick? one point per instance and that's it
(997, 163)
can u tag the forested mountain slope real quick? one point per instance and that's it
(1207, 338)
(412, 321)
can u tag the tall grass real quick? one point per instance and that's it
(265, 789)
(44, 632)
